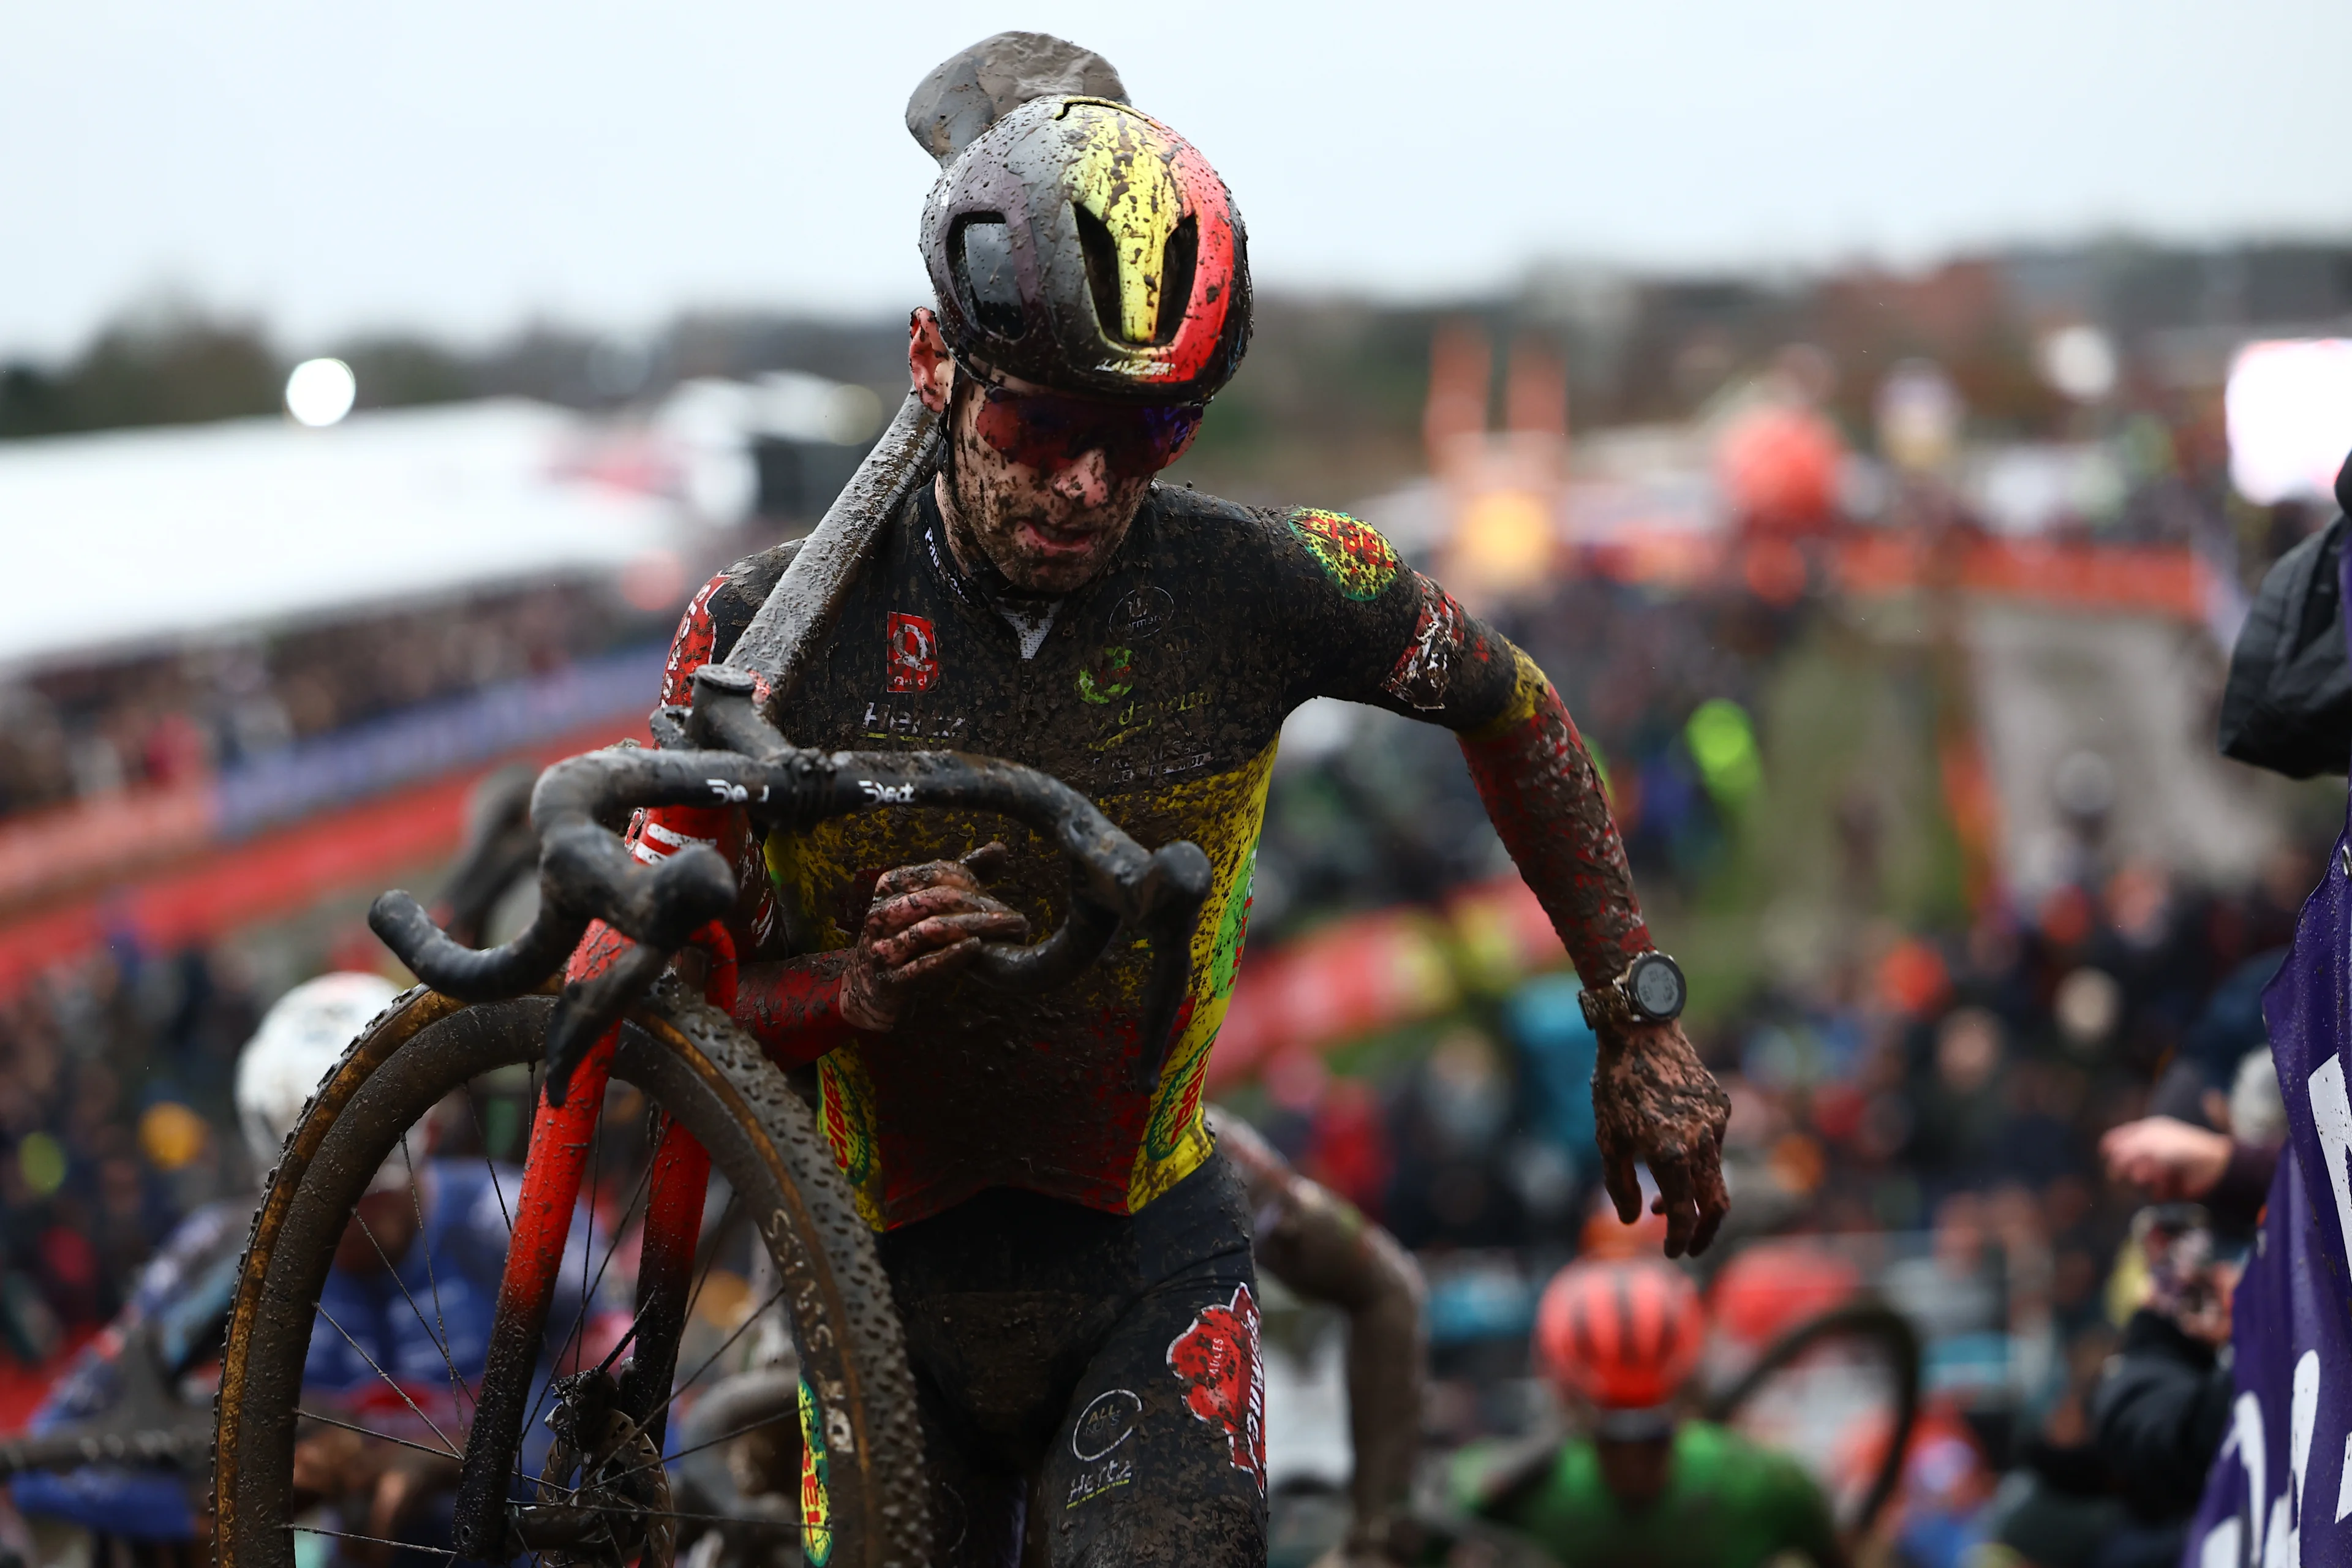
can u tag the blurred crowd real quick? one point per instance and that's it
(88, 729)
(116, 1076)
(1926, 1103)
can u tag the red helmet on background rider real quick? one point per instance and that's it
(1081, 244)
(1772, 1286)
(1624, 1334)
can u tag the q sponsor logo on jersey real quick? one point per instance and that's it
(1352, 553)
(1217, 1361)
(913, 649)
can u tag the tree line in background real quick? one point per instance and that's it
(1331, 400)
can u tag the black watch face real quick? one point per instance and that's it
(1657, 986)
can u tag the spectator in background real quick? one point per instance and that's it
(2164, 1407)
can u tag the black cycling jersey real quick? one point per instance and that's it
(1159, 691)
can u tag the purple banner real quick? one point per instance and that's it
(435, 738)
(2280, 1495)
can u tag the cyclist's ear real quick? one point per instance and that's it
(929, 364)
(988, 861)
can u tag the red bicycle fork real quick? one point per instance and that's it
(560, 1143)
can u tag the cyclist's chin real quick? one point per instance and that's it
(1046, 559)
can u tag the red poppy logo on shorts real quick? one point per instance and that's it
(914, 653)
(1224, 1382)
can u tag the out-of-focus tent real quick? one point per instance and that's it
(128, 538)
(131, 542)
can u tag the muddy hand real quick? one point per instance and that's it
(925, 924)
(1654, 1101)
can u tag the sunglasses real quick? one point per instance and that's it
(1046, 430)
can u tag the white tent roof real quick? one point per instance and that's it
(129, 538)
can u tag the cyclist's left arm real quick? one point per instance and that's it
(1366, 629)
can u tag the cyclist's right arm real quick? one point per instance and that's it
(792, 1006)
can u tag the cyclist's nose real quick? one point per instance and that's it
(1086, 479)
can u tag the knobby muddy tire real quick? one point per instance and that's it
(697, 1066)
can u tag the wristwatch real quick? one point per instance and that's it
(1651, 990)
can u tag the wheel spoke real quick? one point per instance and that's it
(743, 1431)
(489, 1164)
(327, 1420)
(458, 1388)
(707, 1361)
(324, 1419)
(373, 1539)
(694, 1298)
(717, 1236)
(441, 1343)
(388, 1381)
(612, 1246)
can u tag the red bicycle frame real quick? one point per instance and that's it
(560, 1138)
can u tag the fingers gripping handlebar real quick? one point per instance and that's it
(587, 873)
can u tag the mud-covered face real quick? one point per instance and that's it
(1046, 487)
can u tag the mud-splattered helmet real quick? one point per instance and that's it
(1082, 245)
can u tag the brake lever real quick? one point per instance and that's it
(589, 1008)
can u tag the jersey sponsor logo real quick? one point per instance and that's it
(1352, 553)
(1217, 1361)
(1176, 1103)
(849, 1118)
(1170, 763)
(1107, 1421)
(692, 646)
(1110, 676)
(890, 722)
(913, 653)
(816, 1500)
(1092, 1483)
(1233, 930)
(1141, 614)
(1425, 668)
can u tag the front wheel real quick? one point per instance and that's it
(423, 1063)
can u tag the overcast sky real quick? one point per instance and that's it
(460, 166)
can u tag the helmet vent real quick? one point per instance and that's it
(1176, 277)
(1102, 254)
(983, 260)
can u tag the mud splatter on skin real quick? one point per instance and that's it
(1544, 796)
(994, 506)
(923, 923)
(1652, 1099)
